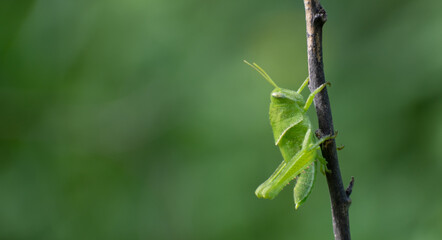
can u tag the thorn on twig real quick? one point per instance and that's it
(340, 147)
(350, 187)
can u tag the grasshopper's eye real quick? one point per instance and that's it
(278, 95)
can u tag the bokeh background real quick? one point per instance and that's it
(138, 119)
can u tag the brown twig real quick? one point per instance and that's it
(315, 17)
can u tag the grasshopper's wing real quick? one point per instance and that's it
(304, 184)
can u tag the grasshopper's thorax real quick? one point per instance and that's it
(286, 96)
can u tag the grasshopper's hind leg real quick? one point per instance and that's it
(307, 138)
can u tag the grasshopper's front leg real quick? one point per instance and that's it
(313, 94)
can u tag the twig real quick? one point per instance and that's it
(350, 187)
(315, 17)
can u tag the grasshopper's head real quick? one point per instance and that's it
(286, 96)
(279, 95)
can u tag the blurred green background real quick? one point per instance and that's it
(138, 119)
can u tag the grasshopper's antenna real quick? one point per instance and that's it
(262, 72)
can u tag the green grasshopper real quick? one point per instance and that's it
(293, 135)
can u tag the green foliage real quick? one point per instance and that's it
(292, 131)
